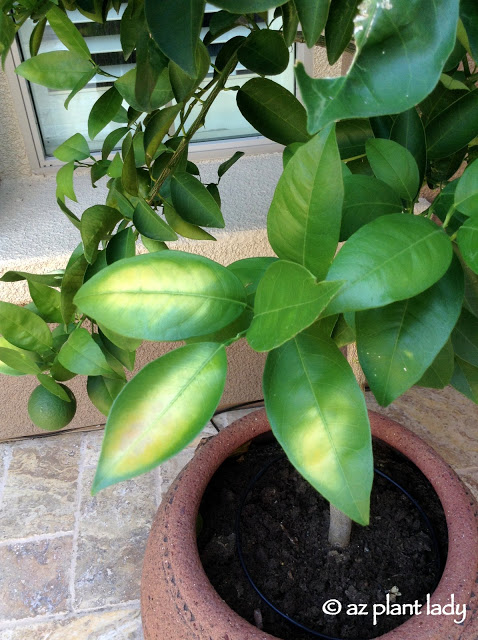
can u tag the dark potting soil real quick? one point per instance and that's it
(284, 527)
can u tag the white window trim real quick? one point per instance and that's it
(43, 164)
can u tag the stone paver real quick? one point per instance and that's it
(113, 529)
(34, 578)
(123, 624)
(40, 490)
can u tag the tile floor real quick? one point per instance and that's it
(70, 563)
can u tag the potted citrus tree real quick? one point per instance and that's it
(403, 286)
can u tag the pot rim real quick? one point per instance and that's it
(173, 535)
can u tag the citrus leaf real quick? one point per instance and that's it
(50, 279)
(169, 295)
(80, 354)
(103, 111)
(16, 361)
(64, 182)
(408, 131)
(75, 148)
(394, 165)
(247, 6)
(313, 16)
(439, 373)
(317, 413)
(112, 140)
(193, 201)
(72, 281)
(225, 166)
(24, 329)
(55, 69)
(161, 95)
(47, 301)
(467, 239)
(122, 245)
(392, 258)
(250, 271)
(466, 192)
(67, 33)
(96, 222)
(160, 411)
(103, 391)
(183, 228)
(264, 52)
(340, 27)
(149, 224)
(53, 387)
(157, 128)
(465, 379)
(465, 338)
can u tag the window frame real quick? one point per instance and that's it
(40, 163)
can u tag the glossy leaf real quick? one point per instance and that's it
(53, 387)
(67, 33)
(79, 85)
(247, 6)
(47, 301)
(225, 166)
(469, 16)
(122, 245)
(127, 344)
(264, 52)
(317, 413)
(149, 224)
(112, 140)
(7, 370)
(352, 136)
(392, 258)
(103, 391)
(55, 69)
(161, 95)
(465, 379)
(75, 148)
(157, 128)
(365, 199)
(394, 165)
(439, 373)
(64, 182)
(160, 411)
(465, 338)
(250, 271)
(466, 192)
(150, 64)
(399, 342)
(290, 22)
(50, 279)
(170, 295)
(467, 239)
(125, 357)
(306, 209)
(131, 26)
(386, 34)
(183, 85)
(313, 16)
(103, 111)
(96, 222)
(454, 127)
(340, 27)
(408, 131)
(273, 111)
(175, 26)
(24, 329)
(129, 175)
(193, 201)
(288, 300)
(153, 245)
(72, 281)
(80, 354)
(183, 228)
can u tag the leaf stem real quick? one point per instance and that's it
(449, 216)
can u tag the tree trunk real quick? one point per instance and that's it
(341, 525)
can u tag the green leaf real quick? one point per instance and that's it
(264, 52)
(389, 259)
(225, 166)
(340, 27)
(467, 239)
(47, 301)
(24, 329)
(67, 33)
(175, 26)
(193, 201)
(149, 224)
(408, 131)
(7, 370)
(247, 6)
(466, 193)
(115, 170)
(439, 373)
(80, 84)
(131, 25)
(290, 22)
(7, 36)
(125, 357)
(352, 136)
(96, 223)
(465, 338)
(306, 209)
(72, 281)
(469, 17)
(342, 334)
(288, 300)
(273, 111)
(160, 411)
(55, 69)
(150, 64)
(80, 354)
(53, 387)
(454, 127)
(170, 295)
(161, 95)
(183, 228)
(127, 344)
(103, 391)
(64, 182)
(103, 111)
(250, 271)
(112, 141)
(129, 175)
(153, 245)
(317, 413)
(122, 245)
(313, 16)
(394, 165)
(395, 43)
(50, 279)
(157, 128)
(75, 148)
(399, 342)
(184, 85)
(465, 379)
(365, 199)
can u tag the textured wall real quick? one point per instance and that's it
(13, 159)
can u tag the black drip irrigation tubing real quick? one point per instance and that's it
(240, 554)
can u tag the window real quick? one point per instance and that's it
(50, 124)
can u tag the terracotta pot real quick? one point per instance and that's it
(179, 603)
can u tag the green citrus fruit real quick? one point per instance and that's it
(50, 412)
